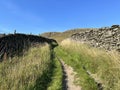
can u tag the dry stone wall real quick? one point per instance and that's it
(107, 38)
(16, 44)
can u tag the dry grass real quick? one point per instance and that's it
(21, 73)
(104, 66)
(59, 36)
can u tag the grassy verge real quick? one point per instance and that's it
(103, 66)
(72, 59)
(56, 83)
(36, 70)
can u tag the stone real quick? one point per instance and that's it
(107, 38)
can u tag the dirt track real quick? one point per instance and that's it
(69, 76)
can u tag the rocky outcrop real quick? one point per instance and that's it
(107, 38)
(16, 44)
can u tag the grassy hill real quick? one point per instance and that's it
(96, 69)
(59, 36)
(39, 67)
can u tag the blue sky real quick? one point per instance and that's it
(38, 16)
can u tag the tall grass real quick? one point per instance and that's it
(56, 83)
(33, 71)
(104, 67)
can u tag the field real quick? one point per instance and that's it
(37, 69)
(96, 69)
(40, 68)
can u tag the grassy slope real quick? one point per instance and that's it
(59, 36)
(72, 59)
(104, 66)
(36, 70)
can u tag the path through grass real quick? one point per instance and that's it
(92, 65)
(38, 69)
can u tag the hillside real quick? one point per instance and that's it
(106, 37)
(59, 36)
(95, 68)
(85, 52)
(83, 59)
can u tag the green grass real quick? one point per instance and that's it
(103, 66)
(83, 78)
(56, 83)
(36, 70)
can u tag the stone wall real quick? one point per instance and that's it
(16, 44)
(107, 38)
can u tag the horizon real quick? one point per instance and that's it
(37, 17)
(15, 31)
